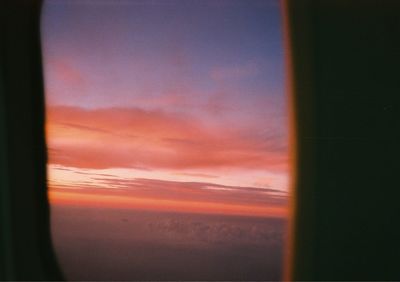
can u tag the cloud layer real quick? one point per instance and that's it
(101, 189)
(153, 139)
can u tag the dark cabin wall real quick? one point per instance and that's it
(25, 245)
(346, 78)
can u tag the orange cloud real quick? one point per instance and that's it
(179, 190)
(114, 200)
(137, 138)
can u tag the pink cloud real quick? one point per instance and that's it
(65, 72)
(137, 138)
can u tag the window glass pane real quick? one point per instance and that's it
(167, 139)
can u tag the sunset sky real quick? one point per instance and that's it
(166, 105)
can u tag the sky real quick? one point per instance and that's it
(166, 105)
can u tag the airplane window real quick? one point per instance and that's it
(166, 127)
